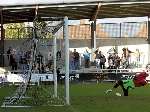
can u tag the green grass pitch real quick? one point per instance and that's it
(88, 97)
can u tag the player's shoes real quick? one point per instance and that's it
(108, 91)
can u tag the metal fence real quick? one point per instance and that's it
(103, 30)
(128, 29)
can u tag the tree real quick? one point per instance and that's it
(20, 30)
(42, 28)
(15, 30)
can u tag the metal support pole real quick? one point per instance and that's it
(93, 38)
(66, 38)
(148, 39)
(94, 35)
(2, 41)
(55, 73)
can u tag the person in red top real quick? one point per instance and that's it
(138, 81)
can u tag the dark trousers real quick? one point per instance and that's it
(120, 83)
(102, 65)
(87, 61)
(14, 66)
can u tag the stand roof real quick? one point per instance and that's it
(23, 11)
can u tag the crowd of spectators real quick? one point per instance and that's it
(113, 60)
(20, 60)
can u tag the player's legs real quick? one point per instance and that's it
(120, 83)
(117, 84)
(125, 91)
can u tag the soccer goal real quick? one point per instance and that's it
(45, 81)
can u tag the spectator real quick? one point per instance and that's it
(19, 56)
(42, 69)
(97, 60)
(50, 59)
(39, 58)
(8, 54)
(86, 58)
(110, 62)
(23, 62)
(117, 61)
(76, 59)
(13, 60)
(71, 61)
(102, 60)
(58, 55)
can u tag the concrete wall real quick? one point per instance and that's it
(76, 43)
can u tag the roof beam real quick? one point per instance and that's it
(110, 12)
(96, 12)
(131, 9)
(19, 15)
(84, 11)
(107, 15)
(65, 12)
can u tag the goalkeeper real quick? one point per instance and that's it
(138, 81)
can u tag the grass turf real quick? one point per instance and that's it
(91, 98)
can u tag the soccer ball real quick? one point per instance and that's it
(118, 94)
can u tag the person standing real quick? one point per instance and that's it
(71, 61)
(13, 60)
(97, 60)
(76, 59)
(86, 56)
(8, 54)
(50, 59)
(102, 60)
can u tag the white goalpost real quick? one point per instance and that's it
(58, 92)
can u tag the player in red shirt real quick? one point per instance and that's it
(138, 81)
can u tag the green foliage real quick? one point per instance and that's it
(19, 30)
(42, 28)
(15, 30)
